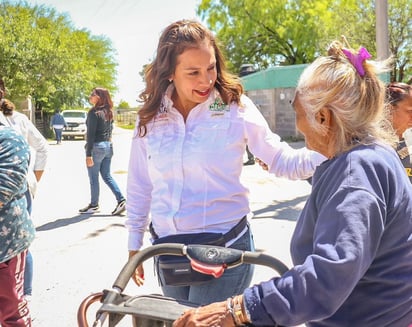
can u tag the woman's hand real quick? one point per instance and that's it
(89, 161)
(215, 314)
(138, 275)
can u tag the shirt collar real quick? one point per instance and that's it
(167, 102)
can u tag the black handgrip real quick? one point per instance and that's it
(204, 253)
(263, 259)
(214, 255)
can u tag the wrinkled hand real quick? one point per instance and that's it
(212, 315)
(138, 275)
(262, 164)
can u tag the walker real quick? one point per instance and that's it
(155, 310)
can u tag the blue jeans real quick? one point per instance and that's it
(28, 274)
(58, 132)
(28, 268)
(102, 154)
(234, 281)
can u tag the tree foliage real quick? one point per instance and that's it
(123, 105)
(287, 32)
(44, 56)
(400, 42)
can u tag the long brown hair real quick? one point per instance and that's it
(7, 107)
(104, 102)
(175, 39)
(397, 91)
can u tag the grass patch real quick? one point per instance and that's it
(126, 126)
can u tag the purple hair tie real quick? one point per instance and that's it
(358, 59)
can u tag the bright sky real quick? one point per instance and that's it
(134, 27)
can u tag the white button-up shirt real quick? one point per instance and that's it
(38, 144)
(185, 177)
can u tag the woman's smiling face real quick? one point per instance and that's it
(194, 76)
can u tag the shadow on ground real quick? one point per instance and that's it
(63, 222)
(284, 210)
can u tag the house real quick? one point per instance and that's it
(272, 91)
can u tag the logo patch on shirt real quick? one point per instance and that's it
(163, 107)
(218, 106)
(162, 114)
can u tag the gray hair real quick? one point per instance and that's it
(356, 103)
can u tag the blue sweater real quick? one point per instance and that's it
(352, 249)
(58, 119)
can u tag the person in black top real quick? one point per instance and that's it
(399, 98)
(99, 150)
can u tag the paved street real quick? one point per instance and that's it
(76, 255)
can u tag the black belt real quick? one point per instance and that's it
(230, 235)
(236, 230)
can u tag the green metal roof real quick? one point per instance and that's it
(281, 77)
(275, 77)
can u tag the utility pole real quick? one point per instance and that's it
(382, 31)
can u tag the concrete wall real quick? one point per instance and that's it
(272, 91)
(274, 104)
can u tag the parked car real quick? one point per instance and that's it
(76, 124)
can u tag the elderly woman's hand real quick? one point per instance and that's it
(212, 315)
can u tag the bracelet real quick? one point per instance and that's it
(238, 312)
(229, 307)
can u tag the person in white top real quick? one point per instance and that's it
(186, 155)
(38, 159)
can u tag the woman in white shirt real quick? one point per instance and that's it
(38, 159)
(187, 155)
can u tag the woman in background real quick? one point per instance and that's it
(39, 152)
(17, 229)
(99, 150)
(399, 97)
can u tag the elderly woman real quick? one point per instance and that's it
(352, 246)
(17, 229)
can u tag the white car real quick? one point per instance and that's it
(76, 124)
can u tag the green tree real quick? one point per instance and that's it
(267, 32)
(287, 32)
(43, 55)
(123, 105)
(400, 42)
(357, 20)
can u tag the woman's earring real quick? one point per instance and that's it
(210, 82)
(170, 80)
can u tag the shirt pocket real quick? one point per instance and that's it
(161, 142)
(209, 136)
